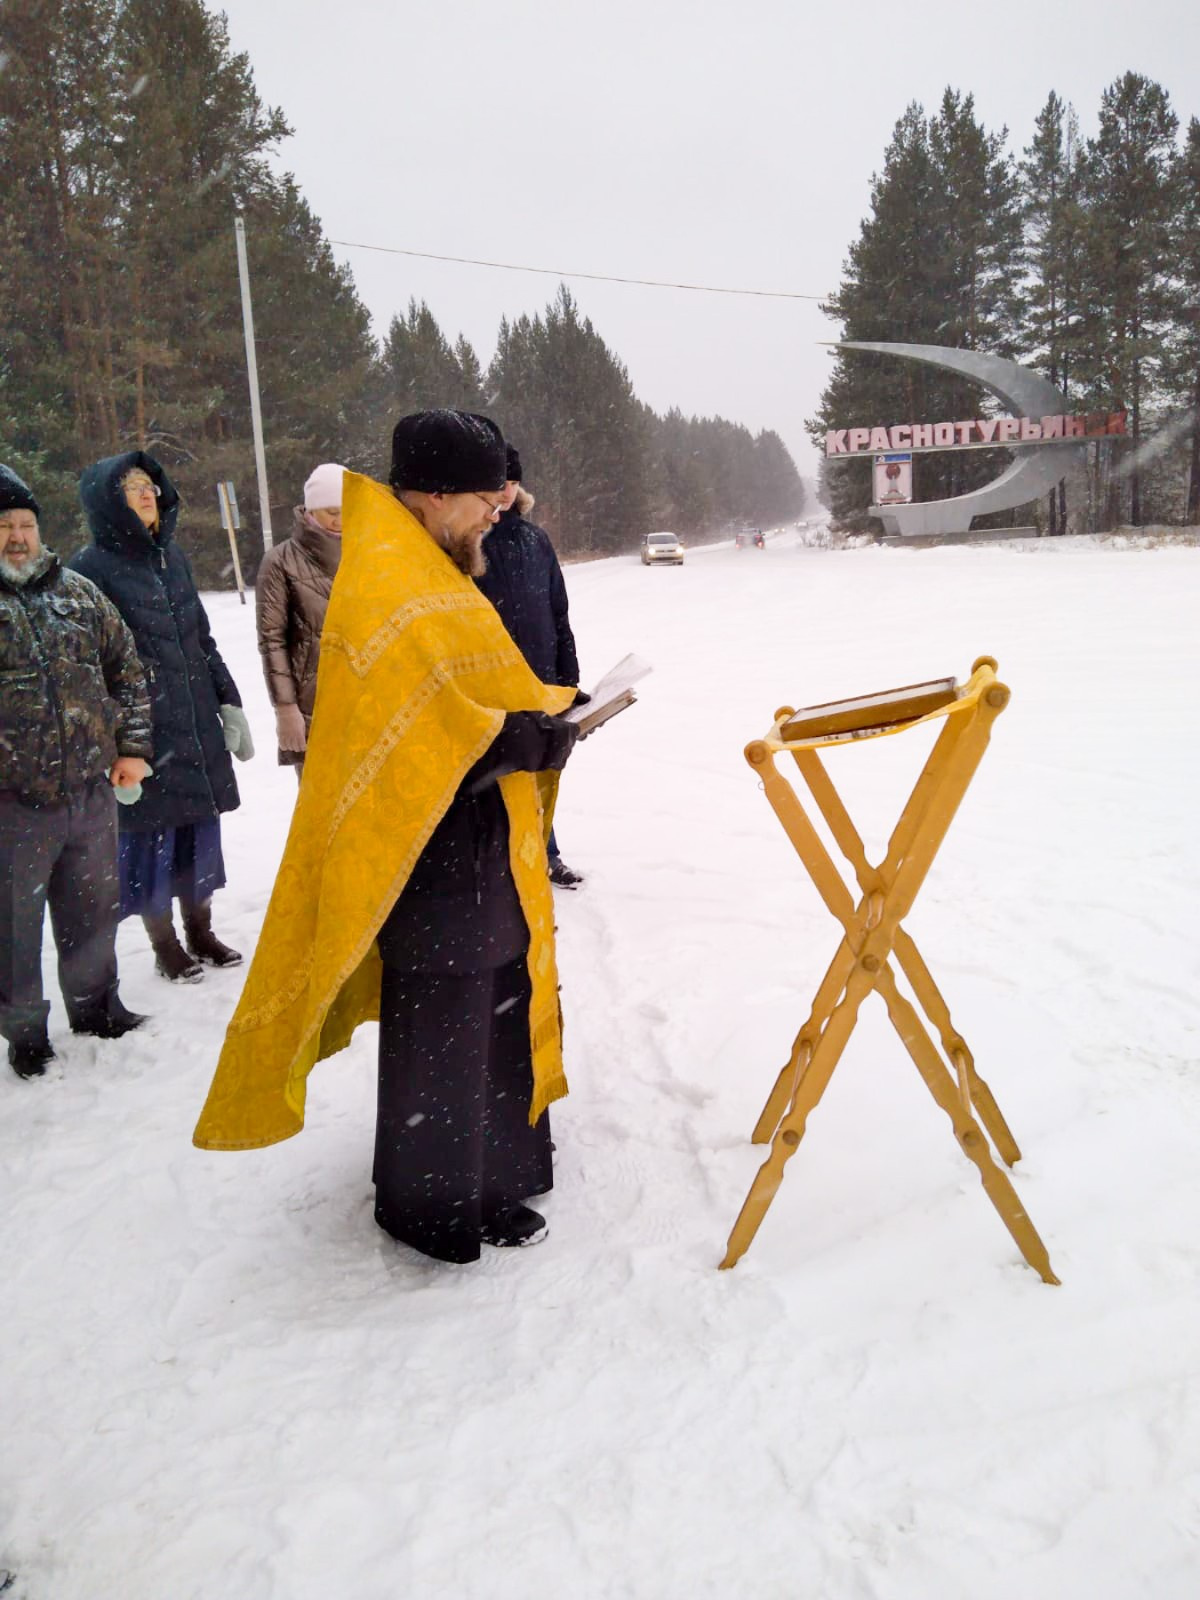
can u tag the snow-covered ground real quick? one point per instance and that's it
(221, 1380)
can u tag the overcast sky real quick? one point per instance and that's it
(728, 144)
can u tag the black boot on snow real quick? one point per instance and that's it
(203, 942)
(171, 960)
(515, 1228)
(109, 1021)
(29, 1060)
(562, 875)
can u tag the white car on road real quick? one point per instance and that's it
(662, 549)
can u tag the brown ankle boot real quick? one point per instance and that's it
(203, 942)
(170, 958)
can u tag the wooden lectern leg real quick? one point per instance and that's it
(966, 1130)
(811, 1086)
(783, 1093)
(992, 1117)
(912, 964)
(832, 987)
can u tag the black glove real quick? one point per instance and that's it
(529, 741)
(561, 737)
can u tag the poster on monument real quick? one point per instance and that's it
(893, 480)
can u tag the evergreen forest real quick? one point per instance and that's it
(1077, 256)
(131, 135)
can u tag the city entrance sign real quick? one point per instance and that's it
(1034, 402)
(978, 434)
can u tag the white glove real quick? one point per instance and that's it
(237, 732)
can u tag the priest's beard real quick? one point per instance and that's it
(466, 552)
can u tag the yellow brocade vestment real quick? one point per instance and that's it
(417, 672)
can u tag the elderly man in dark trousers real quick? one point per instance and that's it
(74, 736)
(525, 584)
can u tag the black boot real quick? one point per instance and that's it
(203, 942)
(110, 1019)
(515, 1228)
(29, 1060)
(170, 958)
(563, 876)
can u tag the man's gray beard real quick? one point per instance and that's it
(466, 552)
(20, 575)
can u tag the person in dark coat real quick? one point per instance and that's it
(524, 582)
(291, 595)
(171, 839)
(74, 736)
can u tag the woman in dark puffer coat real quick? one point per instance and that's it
(171, 839)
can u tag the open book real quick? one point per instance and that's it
(612, 694)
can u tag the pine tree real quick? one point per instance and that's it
(685, 495)
(567, 403)
(59, 197)
(709, 474)
(470, 376)
(981, 243)
(1053, 221)
(193, 136)
(1125, 243)
(129, 135)
(1182, 364)
(423, 372)
(936, 262)
(780, 493)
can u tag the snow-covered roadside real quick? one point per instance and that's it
(221, 1380)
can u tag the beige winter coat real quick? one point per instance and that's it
(291, 595)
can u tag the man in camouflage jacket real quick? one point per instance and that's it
(74, 734)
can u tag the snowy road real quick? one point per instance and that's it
(221, 1380)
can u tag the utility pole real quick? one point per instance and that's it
(260, 455)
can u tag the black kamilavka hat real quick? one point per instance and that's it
(447, 452)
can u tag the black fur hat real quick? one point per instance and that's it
(512, 466)
(447, 452)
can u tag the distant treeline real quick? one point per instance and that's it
(130, 135)
(1081, 257)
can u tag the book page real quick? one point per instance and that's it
(617, 681)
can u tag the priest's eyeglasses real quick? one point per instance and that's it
(494, 506)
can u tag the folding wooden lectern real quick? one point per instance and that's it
(872, 932)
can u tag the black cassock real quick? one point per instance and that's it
(453, 1145)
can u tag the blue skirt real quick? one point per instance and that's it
(172, 863)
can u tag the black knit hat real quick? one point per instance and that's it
(15, 494)
(512, 465)
(447, 452)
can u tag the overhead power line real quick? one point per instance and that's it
(595, 277)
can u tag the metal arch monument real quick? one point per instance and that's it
(1051, 446)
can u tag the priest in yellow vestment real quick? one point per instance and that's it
(413, 886)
